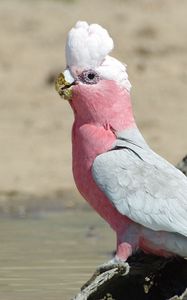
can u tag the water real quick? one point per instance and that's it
(51, 256)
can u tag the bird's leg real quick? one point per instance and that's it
(124, 250)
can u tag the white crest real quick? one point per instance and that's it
(87, 45)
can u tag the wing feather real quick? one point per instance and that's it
(144, 187)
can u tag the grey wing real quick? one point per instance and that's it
(144, 187)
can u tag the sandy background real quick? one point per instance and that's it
(35, 124)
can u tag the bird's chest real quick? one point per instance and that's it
(88, 141)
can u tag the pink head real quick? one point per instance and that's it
(98, 85)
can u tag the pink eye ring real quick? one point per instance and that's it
(89, 77)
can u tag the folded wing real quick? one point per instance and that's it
(143, 186)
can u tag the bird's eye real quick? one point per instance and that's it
(89, 77)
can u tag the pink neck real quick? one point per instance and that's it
(105, 104)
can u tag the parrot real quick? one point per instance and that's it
(140, 194)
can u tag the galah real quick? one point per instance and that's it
(141, 195)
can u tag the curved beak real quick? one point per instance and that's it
(63, 84)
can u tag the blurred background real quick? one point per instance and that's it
(35, 124)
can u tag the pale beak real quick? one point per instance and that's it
(64, 83)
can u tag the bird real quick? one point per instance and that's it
(140, 194)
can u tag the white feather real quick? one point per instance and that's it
(87, 45)
(113, 69)
(68, 77)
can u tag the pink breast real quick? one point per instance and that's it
(88, 142)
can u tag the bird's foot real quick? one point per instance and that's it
(115, 263)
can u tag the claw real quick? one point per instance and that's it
(112, 264)
(115, 263)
